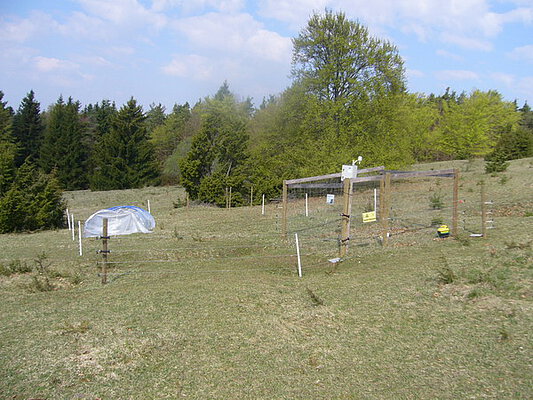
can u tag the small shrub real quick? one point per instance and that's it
(436, 202)
(446, 275)
(179, 203)
(315, 300)
(504, 179)
(496, 163)
(14, 267)
(40, 284)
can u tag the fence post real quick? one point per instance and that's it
(79, 238)
(73, 228)
(483, 210)
(298, 255)
(105, 250)
(385, 208)
(263, 205)
(455, 215)
(284, 212)
(346, 214)
(251, 196)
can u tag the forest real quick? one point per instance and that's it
(348, 98)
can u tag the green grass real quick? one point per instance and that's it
(209, 306)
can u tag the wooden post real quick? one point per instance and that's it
(483, 210)
(284, 212)
(381, 198)
(187, 200)
(346, 214)
(229, 198)
(105, 250)
(226, 196)
(251, 196)
(385, 210)
(263, 205)
(455, 216)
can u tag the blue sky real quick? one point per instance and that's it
(173, 51)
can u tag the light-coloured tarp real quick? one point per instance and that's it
(122, 220)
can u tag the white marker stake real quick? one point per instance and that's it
(72, 225)
(298, 256)
(149, 206)
(306, 205)
(263, 206)
(68, 220)
(375, 199)
(79, 237)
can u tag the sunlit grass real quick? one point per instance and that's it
(210, 306)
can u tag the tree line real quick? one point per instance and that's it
(348, 98)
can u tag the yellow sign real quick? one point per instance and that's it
(369, 216)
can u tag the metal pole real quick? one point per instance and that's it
(105, 250)
(455, 216)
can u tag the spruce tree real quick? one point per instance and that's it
(34, 201)
(218, 151)
(28, 129)
(7, 147)
(64, 147)
(124, 157)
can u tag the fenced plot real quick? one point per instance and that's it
(211, 323)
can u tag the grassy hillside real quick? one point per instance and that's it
(209, 306)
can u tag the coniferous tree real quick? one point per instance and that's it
(155, 116)
(64, 147)
(8, 149)
(218, 153)
(28, 129)
(34, 201)
(124, 157)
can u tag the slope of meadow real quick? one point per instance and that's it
(210, 305)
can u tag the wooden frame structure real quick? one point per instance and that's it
(305, 183)
(384, 177)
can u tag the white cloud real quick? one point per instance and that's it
(525, 86)
(191, 66)
(466, 42)
(239, 34)
(524, 53)
(456, 75)
(506, 79)
(414, 73)
(449, 55)
(190, 6)
(47, 64)
(20, 30)
(124, 13)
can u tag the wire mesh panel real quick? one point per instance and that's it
(314, 212)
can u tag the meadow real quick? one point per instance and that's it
(210, 306)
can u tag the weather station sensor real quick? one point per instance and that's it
(350, 171)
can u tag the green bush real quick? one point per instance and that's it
(497, 162)
(435, 201)
(34, 201)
